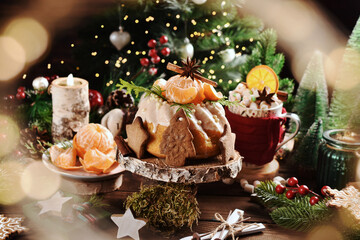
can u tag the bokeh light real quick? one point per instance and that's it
(9, 135)
(10, 187)
(38, 182)
(31, 35)
(12, 58)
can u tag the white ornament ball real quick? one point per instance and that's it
(113, 121)
(40, 83)
(227, 55)
(199, 2)
(228, 181)
(186, 50)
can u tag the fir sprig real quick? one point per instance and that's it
(296, 214)
(301, 218)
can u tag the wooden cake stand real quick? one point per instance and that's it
(210, 170)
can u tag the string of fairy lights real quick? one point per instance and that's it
(194, 35)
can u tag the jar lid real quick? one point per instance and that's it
(342, 138)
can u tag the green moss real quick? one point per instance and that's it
(168, 207)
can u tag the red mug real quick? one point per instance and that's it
(258, 138)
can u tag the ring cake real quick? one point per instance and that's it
(181, 119)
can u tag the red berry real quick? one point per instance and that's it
(144, 62)
(323, 190)
(156, 59)
(151, 43)
(280, 189)
(153, 71)
(21, 89)
(314, 200)
(164, 39)
(20, 95)
(303, 190)
(48, 78)
(165, 51)
(53, 77)
(95, 98)
(10, 97)
(290, 194)
(152, 52)
(292, 181)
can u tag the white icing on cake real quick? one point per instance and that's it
(204, 117)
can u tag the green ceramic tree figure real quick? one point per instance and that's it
(345, 103)
(306, 154)
(311, 101)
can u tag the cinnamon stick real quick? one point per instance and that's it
(177, 69)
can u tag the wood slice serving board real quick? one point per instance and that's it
(198, 171)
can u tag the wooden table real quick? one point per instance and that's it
(212, 197)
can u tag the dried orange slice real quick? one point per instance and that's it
(93, 136)
(181, 90)
(262, 76)
(97, 162)
(67, 160)
(211, 94)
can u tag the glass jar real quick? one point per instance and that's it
(338, 158)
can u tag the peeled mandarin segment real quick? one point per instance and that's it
(200, 97)
(96, 161)
(93, 136)
(67, 160)
(211, 94)
(181, 90)
(55, 152)
(161, 83)
(262, 76)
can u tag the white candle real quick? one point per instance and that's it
(70, 101)
(70, 80)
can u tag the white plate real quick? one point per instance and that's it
(80, 174)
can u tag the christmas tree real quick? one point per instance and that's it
(226, 43)
(311, 101)
(345, 103)
(306, 154)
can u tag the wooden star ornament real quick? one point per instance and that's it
(348, 198)
(10, 225)
(53, 204)
(128, 225)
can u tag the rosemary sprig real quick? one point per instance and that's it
(225, 102)
(186, 107)
(132, 87)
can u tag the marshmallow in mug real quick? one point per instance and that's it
(247, 97)
(249, 107)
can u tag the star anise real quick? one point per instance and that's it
(190, 68)
(264, 96)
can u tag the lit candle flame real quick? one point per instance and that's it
(70, 80)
